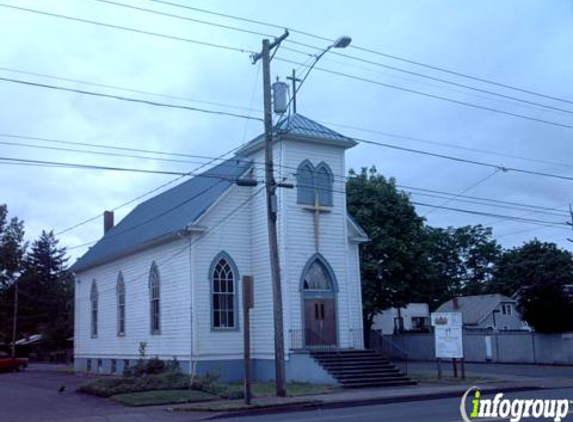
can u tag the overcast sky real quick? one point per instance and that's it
(524, 44)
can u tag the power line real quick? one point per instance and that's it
(347, 56)
(473, 185)
(192, 242)
(445, 144)
(487, 214)
(121, 88)
(129, 99)
(366, 50)
(464, 160)
(512, 205)
(433, 96)
(412, 91)
(124, 28)
(109, 154)
(145, 194)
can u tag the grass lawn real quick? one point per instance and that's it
(267, 389)
(148, 398)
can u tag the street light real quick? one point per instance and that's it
(341, 42)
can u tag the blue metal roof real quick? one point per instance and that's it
(166, 213)
(298, 125)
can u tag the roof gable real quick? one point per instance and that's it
(475, 308)
(165, 214)
(298, 126)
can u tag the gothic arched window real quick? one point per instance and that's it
(154, 299)
(223, 280)
(314, 184)
(323, 182)
(317, 278)
(94, 309)
(120, 305)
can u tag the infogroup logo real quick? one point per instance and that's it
(514, 409)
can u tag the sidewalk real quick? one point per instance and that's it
(370, 396)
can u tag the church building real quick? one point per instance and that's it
(170, 273)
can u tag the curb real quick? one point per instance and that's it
(302, 407)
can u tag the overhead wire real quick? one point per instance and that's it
(128, 99)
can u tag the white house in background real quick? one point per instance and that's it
(413, 317)
(169, 274)
(493, 311)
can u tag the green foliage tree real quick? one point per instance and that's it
(392, 262)
(12, 250)
(46, 291)
(528, 264)
(547, 306)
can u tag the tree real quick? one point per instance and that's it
(12, 249)
(444, 267)
(47, 291)
(547, 306)
(479, 254)
(528, 264)
(461, 261)
(392, 262)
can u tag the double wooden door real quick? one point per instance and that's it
(320, 322)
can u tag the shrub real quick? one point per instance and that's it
(154, 366)
(106, 387)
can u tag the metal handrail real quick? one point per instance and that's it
(389, 349)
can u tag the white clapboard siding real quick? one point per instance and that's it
(228, 225)
(172, 260)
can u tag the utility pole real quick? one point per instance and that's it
(294, 80)
(272, 207)
(570, 223)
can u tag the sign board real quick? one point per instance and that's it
(448, 335)
(248, 292)
(447, 319)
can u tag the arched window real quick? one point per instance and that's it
(120, 305)
(94, 310)
(314, 184)
(323, 184)
(154, 299)
(317, 278)
(305, 183)
(224, 275)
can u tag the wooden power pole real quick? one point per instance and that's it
(272, 208)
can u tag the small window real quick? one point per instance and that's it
(506, 309)
(314, 184)
(125, 364)
(94, 309)
(113, 366)
(120, 305)
(317, 278)
(99, 366)
(223, 279)
(154, 299)
(89, 365)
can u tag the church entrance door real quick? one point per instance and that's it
(319, 304)
(320, 321)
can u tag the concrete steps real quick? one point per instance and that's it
(360, 368)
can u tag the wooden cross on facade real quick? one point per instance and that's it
(317, 209)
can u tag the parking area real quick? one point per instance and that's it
(34, 396)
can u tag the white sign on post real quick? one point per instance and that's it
(448, 335)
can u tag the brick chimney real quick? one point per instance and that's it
(456, 303)
(107, 221)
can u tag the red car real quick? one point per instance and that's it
(7, 364)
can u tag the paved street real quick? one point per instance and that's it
(33, 396)
(441, 410)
